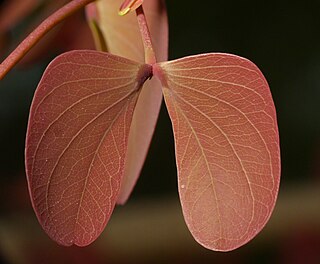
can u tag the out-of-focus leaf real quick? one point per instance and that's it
(122, 34)
(76, 141)
(123, 38)
(13, 11)
(93, 22)
(227, 146)
(61, 38)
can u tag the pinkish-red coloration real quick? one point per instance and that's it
(90, 126)
(227, 146)
(123, 38)
(77, 139)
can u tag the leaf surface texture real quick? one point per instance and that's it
(77, 139)
(227, 146)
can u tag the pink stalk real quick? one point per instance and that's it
(150, 57)
(39, 32)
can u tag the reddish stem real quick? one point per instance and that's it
(39, 32)
(150, 56)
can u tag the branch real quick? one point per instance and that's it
(39, 32)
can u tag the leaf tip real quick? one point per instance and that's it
(128, 6)
(124, 11)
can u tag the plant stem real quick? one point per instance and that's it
(39, 32)
(150, 57)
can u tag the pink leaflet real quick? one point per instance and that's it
(227, 146)
(123, 38)
(76, 141)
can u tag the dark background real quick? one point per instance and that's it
(282, 38)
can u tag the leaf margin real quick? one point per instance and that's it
(161, 72)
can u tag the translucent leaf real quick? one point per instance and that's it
(93, 22)
(76, 141)
(123, 38)
(227, 146)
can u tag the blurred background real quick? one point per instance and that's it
(281, 37)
